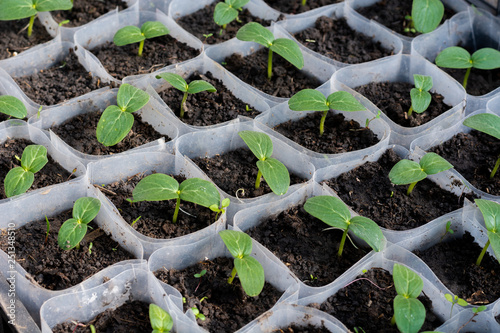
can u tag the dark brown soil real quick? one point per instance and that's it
(235, 173)
(361, 305)
(79, 133)
(121, 61)
(226, 307)
(156, 216)
(334, 38)
(131, 317)
(393, 99)
(57, 269)
(286, 79)
(202, 23)
(301, 242)
(302, 329)
(86, 11)
(473, 155)
(391, 13)
(454, 263)
(480, 81)
(368, 191)
(52, 173)
(207, 108)
(66, 80)
(14, 38)
(295, 6)
(340, 135)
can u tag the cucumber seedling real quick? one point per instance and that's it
(425, 16)
(222, 209)
(227, 11)
(410, 172)
(73, 230)
(161, 321)
(249, 270)
(335, 213)
(288, 49)
(313, 100)
(274, 172)
(491, 215)
(132, 34)
(13, 107)
(193, 87)
(420, 96)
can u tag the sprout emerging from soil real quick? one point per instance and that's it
(13, 107)
(73, 230)
(222, 209)
(491, 215)
(425, 15)
(19, 179)
(455, 300)
(227, 11)
(313, 100)
(132, 34)
(420, 96)
(193, 87)
(161, 322)
(288, 49)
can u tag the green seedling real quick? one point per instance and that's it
(134, 221)
(487, 123)
(304, 2)
(73, 230)
(197, 313)
(288, 49)
(420, 96)
(92, 329)
(274, 172)
(13, 107)
(447, 231)
(193, 87)
(425, 15)
(313, 100)
(48, 230)
(409, 312)
(63, 22)
(132, 34)
(159, 187)
(491, 215)
(454, 300)
(90, 247)
(19, 179)
(410, 172)
(458, 57)
(19, 9)
(117, 120)
(227, 11)
(368, 121)
(335, 213)
(223, 205)
(161, 322)
(200, 274)
(249, 270)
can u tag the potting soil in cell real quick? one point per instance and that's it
(296, 7)
(14, 37)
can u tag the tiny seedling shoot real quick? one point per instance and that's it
(409, 312)
(159, 187)
(410, 172)
(193, 87)
(288, 49)
(313, 100)
(425, 15)
(458, 57)
(19, 179)
(13, 107)
(455, 300)
(73, 230)
(19, 9)
(132, 34)
(491, 216)
(487, 123)
(161, 322)
(227, 11)
(222, 209)
(117, 120)
(335, 213)
(274, 172)
(249, 270)
(420, 96)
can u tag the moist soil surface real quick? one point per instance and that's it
(52, 173)
(480, 81)
(86, 11)
(226, 307)
(334, 38)
(454, 263)
(63, 81)
(393, 99)
(80, 133)
(295, 6)
(368, 191)
(156, 216)
(202, 23)
(362, 305)
(54, 268)
(473, 155)
(340, 135)
(207, 108)
(131, 317)
(14, 37)
(235, 173)
(159, 52)
(301, 242)
(391, 13)
(286, 79)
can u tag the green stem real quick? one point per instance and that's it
(270, 64)
(184, 98)
(30, 26)
(410, 111)
(304, 2)
(466, 77)
(322, 123)
(480, 258)
(176, 212)
(233, 275)
(257, 181)
(494, 171)
(141, 46)
(410, 188)
(342, 242)
(393, 320)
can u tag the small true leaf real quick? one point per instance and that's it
(276, 175)
(238, 243)
(13, 107)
